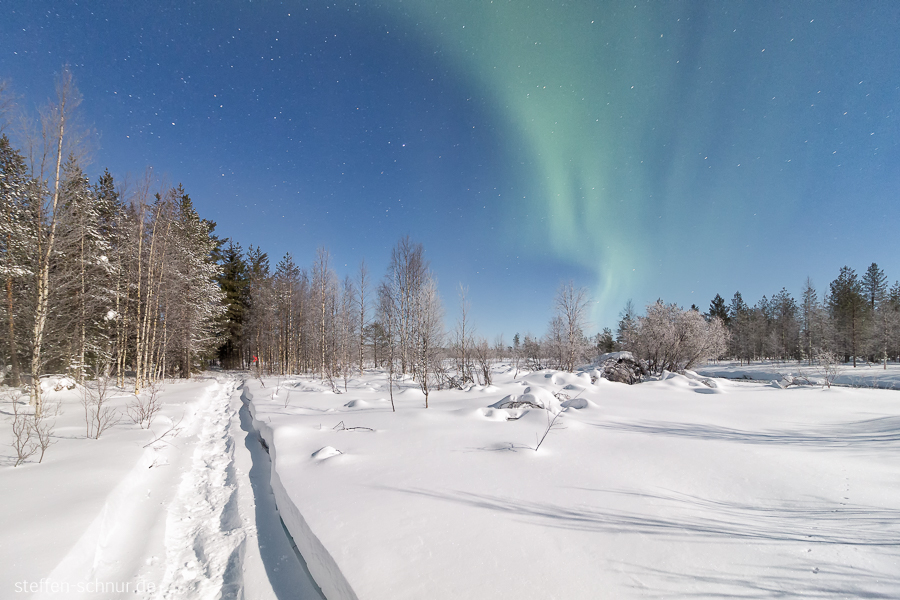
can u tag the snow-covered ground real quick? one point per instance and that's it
(190, 515)
(670, 488)
(863, 375)
(685, 488)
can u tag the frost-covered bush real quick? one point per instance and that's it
(671, 338)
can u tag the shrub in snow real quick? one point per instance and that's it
(673, 339)
(98, 415)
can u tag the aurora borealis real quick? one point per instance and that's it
(673, 150)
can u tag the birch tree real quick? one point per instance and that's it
(54, 131)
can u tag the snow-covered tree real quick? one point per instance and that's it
(18, 245)
(673, 339)
(195, 306)
(571, 306)
(234, 282)
(82, 277)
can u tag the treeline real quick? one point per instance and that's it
(109, 280)
(291, 319)
(856, 318)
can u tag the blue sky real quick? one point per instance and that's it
(645, 150)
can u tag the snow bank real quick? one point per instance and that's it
(322, 566)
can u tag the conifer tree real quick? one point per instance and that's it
(874, 285)
(234, 281)
(717, 308)
(849, 308)
(18, 241)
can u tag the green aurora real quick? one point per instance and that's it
(631, 115)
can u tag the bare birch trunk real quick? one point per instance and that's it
(65, 93)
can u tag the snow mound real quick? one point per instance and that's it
(534, 397)
(492, 414)
(57, 383)
(357, 404)
(691, 380)
(578, 403)
(707, 381)
(325, 453)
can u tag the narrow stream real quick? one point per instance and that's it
(285, 567)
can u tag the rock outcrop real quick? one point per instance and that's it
(621, 367)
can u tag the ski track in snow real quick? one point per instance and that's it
(204, 535)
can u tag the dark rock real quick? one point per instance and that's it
(621, 367)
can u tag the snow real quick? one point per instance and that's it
(621, 355)
(146, 513)
(685, 486)
(863, 375)
(680, 487)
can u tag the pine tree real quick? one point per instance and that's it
(260, 310)
(81, 279)
(286, 282)
(810, 313)
(786, 328)
(627, 326)
(113, 228)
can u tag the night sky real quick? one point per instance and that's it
(645, 150)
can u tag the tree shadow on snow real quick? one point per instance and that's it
(698, 520)
(805, 578)
(870, 433)
(815, 522)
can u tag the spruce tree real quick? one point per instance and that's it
(874, 285)
(717, 308)
(234, 281)
(18, 245)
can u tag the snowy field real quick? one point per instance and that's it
(680, 488)
(668, 489)
(863, 375)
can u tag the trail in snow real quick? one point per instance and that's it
(190, 516)
(224, 536)
(204, 534)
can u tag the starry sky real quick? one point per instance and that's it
(641, 149)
